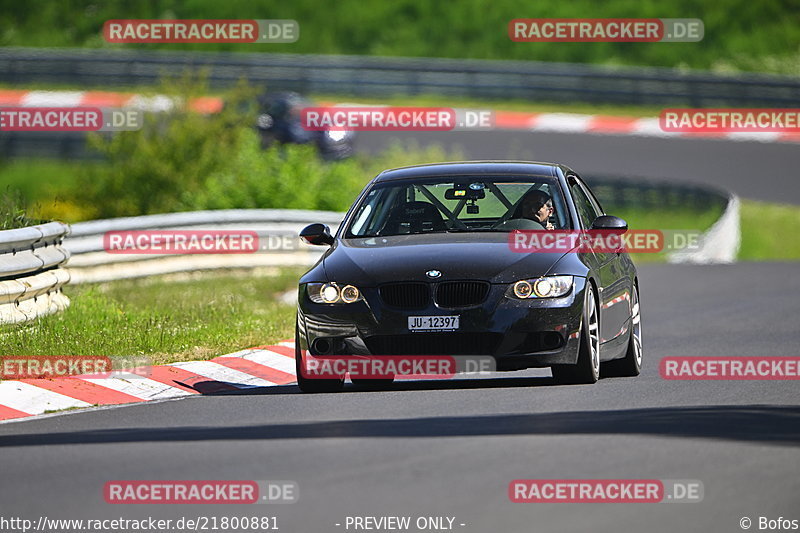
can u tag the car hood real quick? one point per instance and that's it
(485, 256)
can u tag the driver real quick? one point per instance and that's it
(538, 207)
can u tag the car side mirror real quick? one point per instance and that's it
(609, 222)
(318, 234)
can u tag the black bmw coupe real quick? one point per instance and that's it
(423, 265)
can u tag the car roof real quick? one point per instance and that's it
(461, 168)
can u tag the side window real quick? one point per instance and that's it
(586, 211)
(592, 198)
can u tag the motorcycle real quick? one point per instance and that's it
(279, 122)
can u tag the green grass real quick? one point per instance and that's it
(739, 34)
(173, 318)
(14, 212)
(665, 219)
(769, 231)
(45, 187)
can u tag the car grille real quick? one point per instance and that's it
(434, 344)
(461, 293)
(406, 295)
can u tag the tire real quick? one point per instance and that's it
(309, 384)
(631, 364)
(587, 369)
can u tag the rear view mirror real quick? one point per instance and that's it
(318, 234)
(609, 222)
(463, 193)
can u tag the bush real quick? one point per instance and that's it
(14, 211)
(185, 161)
(166, 162)
(294, 177)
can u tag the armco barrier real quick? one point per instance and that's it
(720, 244)
(31, 276)
(90, 263)
(376, 76)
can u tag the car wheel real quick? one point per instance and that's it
(309, 384)
(587, 369)
(631, 364)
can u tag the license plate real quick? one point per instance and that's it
(433, 323)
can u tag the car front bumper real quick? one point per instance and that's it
(516, 333)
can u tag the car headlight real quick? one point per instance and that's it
(333, 293)
(544, 287)
(337, 135)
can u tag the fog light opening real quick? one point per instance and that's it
(551, 340)
(322, 346)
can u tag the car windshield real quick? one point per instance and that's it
(460, 204)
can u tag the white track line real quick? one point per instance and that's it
(31, 399)
(138, 386)
(53, 99)
(271, 359)
(221, 373)
(566, 122)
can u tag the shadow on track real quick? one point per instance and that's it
(764, 424)
(403, 385)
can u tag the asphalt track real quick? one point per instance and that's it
(451, 448)
(755, 170)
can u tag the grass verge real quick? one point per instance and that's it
(663, 219)
(13, 211)
(769, 231)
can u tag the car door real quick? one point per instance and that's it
(613, 284)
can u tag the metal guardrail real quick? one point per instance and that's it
(30, 275)
(629, 192)
(90, 263)
(377, 76)
(720, 244)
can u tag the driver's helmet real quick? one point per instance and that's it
(282, 105)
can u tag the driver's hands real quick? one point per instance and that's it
(550, 226)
